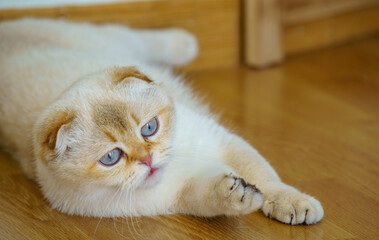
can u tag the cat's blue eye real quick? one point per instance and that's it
(112, 157)
(150, 128)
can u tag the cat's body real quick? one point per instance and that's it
(71, 94)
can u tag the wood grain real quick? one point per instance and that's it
(326, 32)
(316, 120)
(302, 11)
(215, 23)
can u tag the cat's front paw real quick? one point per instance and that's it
(237, 196)
(293, 208)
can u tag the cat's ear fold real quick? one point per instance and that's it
(51, 135)
(121, 74)
(61, 139)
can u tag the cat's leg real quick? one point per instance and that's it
(201, 192)
(48, 32)
(225, 194)
(167, 46)
(281, 201)
(172, 47)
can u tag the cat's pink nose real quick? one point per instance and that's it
(146, 160)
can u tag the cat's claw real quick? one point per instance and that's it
(293, 208)
(239, 197)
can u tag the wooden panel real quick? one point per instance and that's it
(291, 4)
(277, 28)
(301, 11)
(330, 31)
(262, 31)
(216, 23)
(316, 120)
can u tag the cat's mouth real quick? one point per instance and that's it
(152, 171)
(153, 175)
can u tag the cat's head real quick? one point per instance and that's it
(111, 131)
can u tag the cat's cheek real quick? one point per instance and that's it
(110, 176)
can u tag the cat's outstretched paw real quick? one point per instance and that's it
(238, 196)
(293, 208)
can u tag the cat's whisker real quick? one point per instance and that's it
(116, 229)
(111, 200)
(131, 216)
(114, 225)
(120, 196)
(138, 226)
(127, 190)
(122, 226)
(130, 230)
(98, 223)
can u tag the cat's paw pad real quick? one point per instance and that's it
(293, 208)
(239, 196)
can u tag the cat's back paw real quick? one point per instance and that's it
(173, 46)
(238, 196)
(293, 208)
(184, 47)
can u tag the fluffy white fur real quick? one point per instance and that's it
(48, 67)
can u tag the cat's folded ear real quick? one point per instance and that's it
(51, 134)
(121, 74)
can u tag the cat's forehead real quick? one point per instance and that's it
(125, 115)
(112, 113)
(123, 101)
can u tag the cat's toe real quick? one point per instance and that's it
(239, 196)
(293, 208)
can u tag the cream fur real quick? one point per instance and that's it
(60, 96)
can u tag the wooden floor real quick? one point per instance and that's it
(315, 118)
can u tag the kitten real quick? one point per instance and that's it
(94, 118)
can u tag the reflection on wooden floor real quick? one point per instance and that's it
(315, 118)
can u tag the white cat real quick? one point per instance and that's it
(105, 131)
